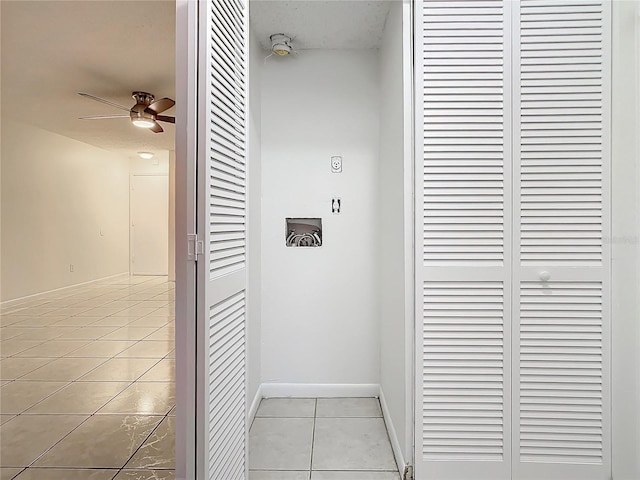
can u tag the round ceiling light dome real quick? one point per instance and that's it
(280, 44)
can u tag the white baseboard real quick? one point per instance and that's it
(393, 436)
(253, 409)
(319, 390)
(75, 285)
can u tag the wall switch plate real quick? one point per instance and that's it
(336, 164)
(336, 205)
(71, 267)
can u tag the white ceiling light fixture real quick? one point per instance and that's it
(281, 44)
(145, 155)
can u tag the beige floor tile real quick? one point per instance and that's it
(277, 475)
(65, 474)
(151, 322)
(146, 475)
(352, 444)
(120, 369)
(16, 367)
(39, 321)
(98, 312)
(26, 437)
(163, 371)
(139, 311)
(11, 332)
(148, 349)
(5, 418)
(18, 396)
(9, 319)
(67, 369)
(8, 473)
(70, 311)
(154, 303)
(165, 333)
(80, 398)
(103, 441)
(143, 398)
(88, 333)
(158, 451)
(348, 407)
(319, 475)
(9, 348)
(79, 321)
(112, 321)
(102, 348)
(41, 310)
(280, 444)
(53, 348)
(287, 407)
(130, 333)
(46, 333)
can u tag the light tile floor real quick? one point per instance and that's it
(320, 439)
(87, 383)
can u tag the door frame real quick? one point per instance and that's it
(185, 224)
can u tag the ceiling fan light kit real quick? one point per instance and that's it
(144, 114)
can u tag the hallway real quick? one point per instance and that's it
(87, 383)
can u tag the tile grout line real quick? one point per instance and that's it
(102, 361)
(313, 433)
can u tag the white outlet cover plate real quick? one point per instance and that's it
(336, 164)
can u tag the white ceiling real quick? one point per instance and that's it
(329, 24)
(53, 49)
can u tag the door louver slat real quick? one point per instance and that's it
(226, 388)
(561, 409)
(463, 376)
(570, 144)
(463, 132)
(227, 139)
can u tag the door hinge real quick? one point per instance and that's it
(408, 473)
(195, 247)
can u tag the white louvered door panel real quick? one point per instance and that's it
(463, 243)
(222, 181)
(561, 188)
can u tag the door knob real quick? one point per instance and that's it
(545, 276)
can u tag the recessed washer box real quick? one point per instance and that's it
(303, 232)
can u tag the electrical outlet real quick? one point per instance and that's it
(71, 267)
(336, 164)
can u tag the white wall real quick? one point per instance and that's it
(254, 309)
(158, 165)
(58, 195)
(395, 163)
(625, 242)
(319, 315)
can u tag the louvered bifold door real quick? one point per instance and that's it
(222, 181)
(561, 397)
(463, 247)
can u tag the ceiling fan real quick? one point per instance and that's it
(144, 114)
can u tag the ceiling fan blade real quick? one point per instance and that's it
(160, 105)
(164, 118)
(157, 128)
(102, 100)
(100, 117)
